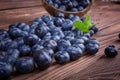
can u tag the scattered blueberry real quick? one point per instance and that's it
(111, 51)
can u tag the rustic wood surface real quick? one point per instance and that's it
(96, 67)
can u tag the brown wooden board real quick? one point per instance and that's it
(96, 67)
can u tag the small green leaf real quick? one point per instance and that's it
(84, 26)
(87, 20)
(81, 26)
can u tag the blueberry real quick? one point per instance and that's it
(81, 46)
(75, 3)
(57, 1)
(62, 7)
(7, 40)
(41, 31)
(2, 45)
(74, 9)
(50, 44)
(85, 38)
(69, 35)
(58, 22)
(67, 25)
(77, 33)
(55, 5)
(111, 51)
(95, 29)
(38, 20)
(25, 65)
(34, 25)
(31, 39)
(60, 15)
(9, 59)
(76, 18)
(11, 45)
(42, 59)
(77, 41)
(2, 56)
(75, 53)
(24, 34)
(58, 33)
(47, 36)
(49, 23)
(49, 51)
(13, 53)
(63, 44)
(23, 27)
(14, 32)
(69, 5)
(64, 1)
(93, 41)
(80, 8)
(19, 40)
(91, 33)
(51, 27)
(5, 70)
(37, 47)
(55, 38)
(87, 35)
(26, 28)
(46, 18)
(24, 50)
(20, 25)
(3, 34)
(85, 3)
(62, 57)
(92, 48)
(71, 16)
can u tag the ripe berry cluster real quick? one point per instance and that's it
(70, 5)
(25, 47)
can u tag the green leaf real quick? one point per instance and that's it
(88, 21)
(81, 26)
(84, 26)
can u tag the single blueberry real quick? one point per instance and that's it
(42, 59)
(25, 65)
(24, 50)
(5, 70)
(62, 57)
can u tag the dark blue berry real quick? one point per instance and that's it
(5, 70)
(42, 59)
(25, 65)
(92, 48)
(75, 53)
(24, 50)
(111, 51)
(63, 44)
(62, 57)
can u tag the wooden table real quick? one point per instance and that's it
(96, 67)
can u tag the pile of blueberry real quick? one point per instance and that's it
(69, 5)
(26, 47)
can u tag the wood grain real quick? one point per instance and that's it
(15, 4)
(96, 67)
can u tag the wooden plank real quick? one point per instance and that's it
(13, 4)
(20, 15)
